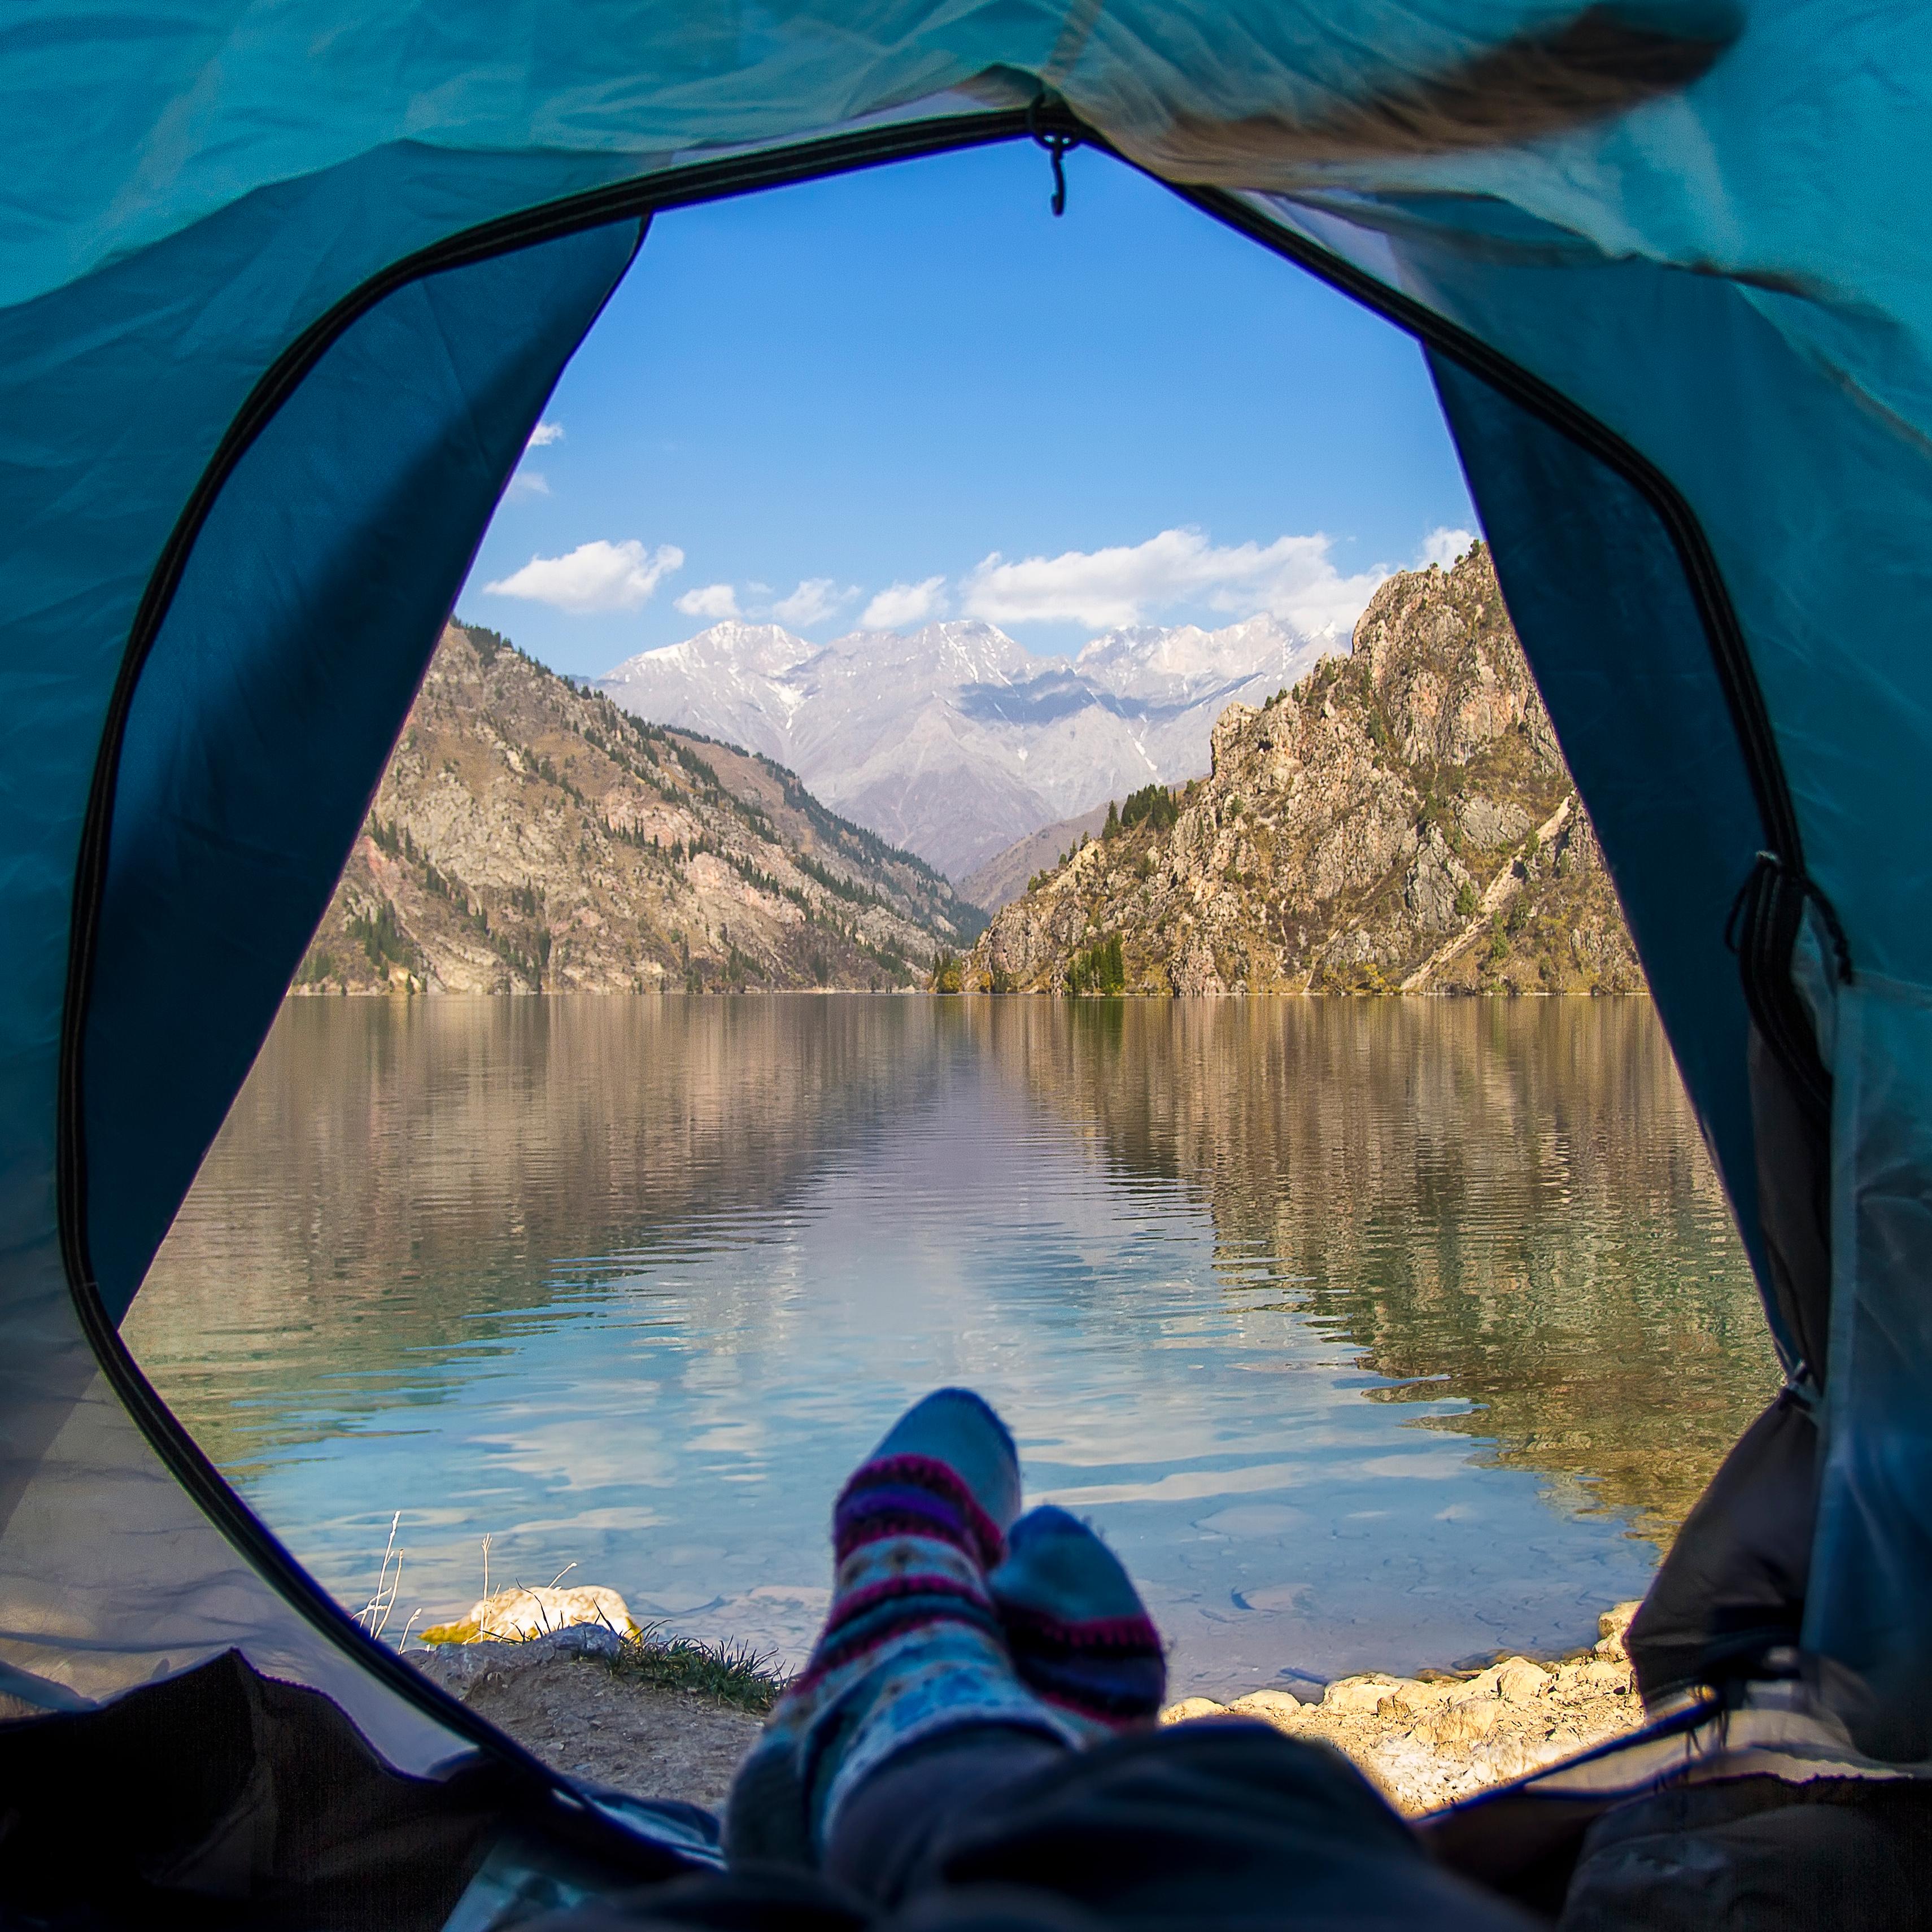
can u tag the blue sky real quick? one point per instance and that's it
(913, 393)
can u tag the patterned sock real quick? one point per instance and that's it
(912, 1646)
(1078, 1632)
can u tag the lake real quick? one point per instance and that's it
(1373, 1334)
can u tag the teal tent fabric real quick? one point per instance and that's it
(1674, 261)
(296, 639)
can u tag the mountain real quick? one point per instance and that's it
(1006, 874)
(954, 742)
(1401, 820)
(529, 836)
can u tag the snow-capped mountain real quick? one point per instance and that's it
(954, 741)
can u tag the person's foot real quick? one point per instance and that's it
(1078, 1631)
(912, 1646)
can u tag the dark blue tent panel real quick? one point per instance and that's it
(303, 620)
(1623, 659)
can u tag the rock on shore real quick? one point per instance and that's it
(1427, 1741)
(520, 1612)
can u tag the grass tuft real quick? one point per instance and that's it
(733, 1672)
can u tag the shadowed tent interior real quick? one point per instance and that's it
(282, 295)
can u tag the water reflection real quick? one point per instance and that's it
(397, 1181)
(1366, 1331)
(1503, 1200)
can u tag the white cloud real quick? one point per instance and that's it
(1293, 578)
(711, 600)
(1444, 546)
(544, 435)
(598, 576)
(815, 599)
(905, 604)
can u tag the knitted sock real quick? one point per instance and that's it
(1078, 1632)
(912, 1646)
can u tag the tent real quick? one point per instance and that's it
(283, 290)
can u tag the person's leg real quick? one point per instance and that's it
(887, 1830)
(949, 1621)
(1080, 1638)
(1220, 1824)
(912, 1761)
(912, 1647)
(1079, 1635)
(1217, 1826)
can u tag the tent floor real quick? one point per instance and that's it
(222, 1798)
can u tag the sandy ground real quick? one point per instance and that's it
(580, 1716)
(1426, 1741)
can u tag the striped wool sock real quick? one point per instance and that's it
(913, 1645)
(1078, 1631)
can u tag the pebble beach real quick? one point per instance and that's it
(1428, 1741)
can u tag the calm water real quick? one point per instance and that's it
(1371, 1333)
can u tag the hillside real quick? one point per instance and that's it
(953, 741)
(1400, 820)
(528, 836)
(1003, 877)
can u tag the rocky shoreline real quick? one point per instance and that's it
(1429, 1740)
(576, 1698)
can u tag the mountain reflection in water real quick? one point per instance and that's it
(1372, 1333)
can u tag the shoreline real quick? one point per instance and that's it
(396, 990)
(579, 1698)
(1429, 1740)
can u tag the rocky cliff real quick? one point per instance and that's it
(1401, 820)
(528, 836)
(1002, 879)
